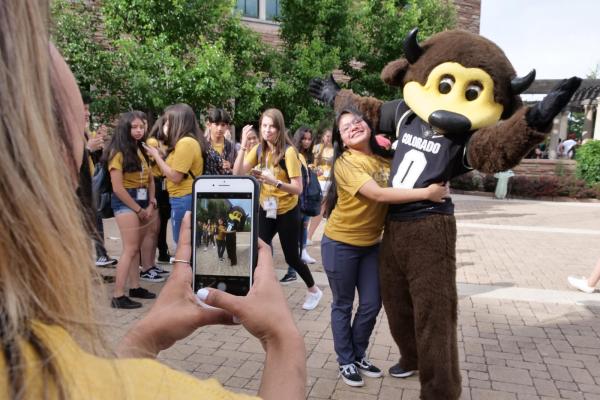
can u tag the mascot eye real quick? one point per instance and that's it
(446, 84)
(473, 91)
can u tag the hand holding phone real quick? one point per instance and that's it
(224, 232)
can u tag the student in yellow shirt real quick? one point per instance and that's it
(275, 163)
(133, 204)
(157, 139)
(323, 160)
(48, 295)
(221, 231)
(184, 159)
(221, 152)
(356, 206)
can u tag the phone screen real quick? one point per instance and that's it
(224, 241)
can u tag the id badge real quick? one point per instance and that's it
(142, 194)
(163, 184)
(270, 207)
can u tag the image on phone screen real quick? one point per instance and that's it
(223, 241)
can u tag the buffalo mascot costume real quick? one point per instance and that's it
(461, 111)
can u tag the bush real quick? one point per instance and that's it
(588, 162)
(531, 186)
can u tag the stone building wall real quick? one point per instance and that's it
(468, 14)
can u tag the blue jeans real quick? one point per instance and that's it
(348, 268)
(119, 207)
(179, 205)
(303, 236)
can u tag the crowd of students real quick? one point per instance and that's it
(152, 172)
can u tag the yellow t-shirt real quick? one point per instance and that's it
(131, 180)
(325, 163)
(153, 142)
(355, 219)
(218, 147)
(221, 232)
(87, 376)
(185, 157)
(285, 201)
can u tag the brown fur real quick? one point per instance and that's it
(469, 50)
(417, 257)
(502, 146)
(417, 273)
(368, 106)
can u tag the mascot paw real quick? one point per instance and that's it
(540, 116)
(324, 90)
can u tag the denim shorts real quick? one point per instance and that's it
(119, 207)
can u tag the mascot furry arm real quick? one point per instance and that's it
(459, 82)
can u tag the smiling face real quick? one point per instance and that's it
(268, 130)
(138, 129)
(251, 139)
(354, 131)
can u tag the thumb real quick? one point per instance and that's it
(220, 299)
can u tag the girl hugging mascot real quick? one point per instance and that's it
(461, 111)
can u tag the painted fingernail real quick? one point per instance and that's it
(202, 294)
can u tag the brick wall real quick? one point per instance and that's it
(468, 14)
(534, 167)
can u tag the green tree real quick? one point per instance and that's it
(154, 53)
(358, 37)
(381, 26)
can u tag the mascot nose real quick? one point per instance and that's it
(450, 122)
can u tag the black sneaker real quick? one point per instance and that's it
(350, 375)
(151, 276)
(124, 302)
(398, 372)
(288, 278)
(105, 261)
(367, 369)
(158, 270)
(141, 293)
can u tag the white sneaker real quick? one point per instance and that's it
(312, 300)
(579, 282)
(309, 242)
(307, 258)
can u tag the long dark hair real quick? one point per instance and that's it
(183, 123)
(122, 142)
(298, 136)
(339, 150)
(157, 130)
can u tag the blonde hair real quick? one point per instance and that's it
(321, 149)
(283, 140)
(46, 266)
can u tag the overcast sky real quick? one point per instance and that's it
(559, 38)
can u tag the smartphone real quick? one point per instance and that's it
(224, 232)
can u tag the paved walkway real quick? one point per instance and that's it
(523, 333)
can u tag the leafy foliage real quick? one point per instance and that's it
(588, 162)
(148, 54)
(382, 26)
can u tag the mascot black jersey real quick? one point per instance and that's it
(422, 157)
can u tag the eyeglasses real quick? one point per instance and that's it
(356, 120)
